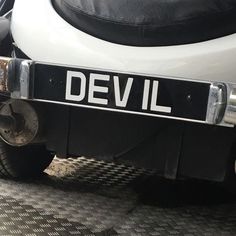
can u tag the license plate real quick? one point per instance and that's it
(121, 92)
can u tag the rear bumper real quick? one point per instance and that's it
(18, 81)
(174, 149)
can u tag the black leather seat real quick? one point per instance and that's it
(5, 6)
(151, 22)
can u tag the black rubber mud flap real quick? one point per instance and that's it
(160, 152)
(206, 151)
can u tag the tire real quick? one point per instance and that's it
(21, 162)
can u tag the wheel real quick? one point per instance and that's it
(26, 161)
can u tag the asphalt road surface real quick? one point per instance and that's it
(88, 197)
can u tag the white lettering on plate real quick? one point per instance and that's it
(150, 91)
(146, 94)
(154, 106)
(122, 102)
(75, 75)
(99, 89)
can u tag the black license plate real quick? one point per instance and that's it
(121, 92)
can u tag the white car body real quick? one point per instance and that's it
(44, 36)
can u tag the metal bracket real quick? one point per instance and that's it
(217, 103)
(23, 82)
(230, 113)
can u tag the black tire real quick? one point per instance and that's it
(20, 162)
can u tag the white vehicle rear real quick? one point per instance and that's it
(148, 83)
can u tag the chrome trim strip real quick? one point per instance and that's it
(21, 88)
(120, 111)
(25, 78)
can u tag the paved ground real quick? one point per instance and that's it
(87, 197)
